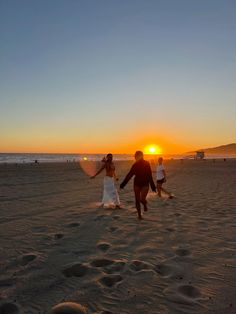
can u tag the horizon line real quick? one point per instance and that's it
(84, 153)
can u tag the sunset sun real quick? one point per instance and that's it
(152, 150)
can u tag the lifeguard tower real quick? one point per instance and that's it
(200, 155)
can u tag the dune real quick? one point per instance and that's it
(223, 150)
(61, 253)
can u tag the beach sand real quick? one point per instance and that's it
(56, 245)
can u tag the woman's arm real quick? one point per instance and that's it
(99, 171)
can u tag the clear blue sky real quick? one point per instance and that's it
(88, 75)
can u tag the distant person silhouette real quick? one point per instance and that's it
(161, 178)
(141, 169)
(110, 194)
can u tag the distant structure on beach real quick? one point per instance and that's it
(200, 155)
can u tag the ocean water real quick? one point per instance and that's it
(30, 158)
(20, 158)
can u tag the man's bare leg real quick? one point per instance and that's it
(137, 191)
(159, 188)
(143, 195)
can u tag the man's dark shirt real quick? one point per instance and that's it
(143, 175)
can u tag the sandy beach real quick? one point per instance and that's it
(57, 245)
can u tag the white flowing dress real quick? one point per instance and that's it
(110, 194)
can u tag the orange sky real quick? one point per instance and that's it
(126, 143)
(109, 137)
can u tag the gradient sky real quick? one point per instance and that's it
(109, 75)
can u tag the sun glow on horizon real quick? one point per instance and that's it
(152, 150)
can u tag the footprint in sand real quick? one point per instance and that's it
(177, 214)
(73, 225)
(100, 217)
(116, 217)
(69, 308)
(58, 236)
(189, 291)
(111, 280)
(9, 308)
(113, 229)
(182, 252)
(137, 265)
(101, 262)
(75, 270)
(27, 258)
(7, 282)
(39, 228)
(168, 270)
(187, 294)
(170, 229)
(117, 266)
(103, 246)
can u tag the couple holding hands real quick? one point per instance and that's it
(141, 169)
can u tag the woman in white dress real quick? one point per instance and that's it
(110, 194)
